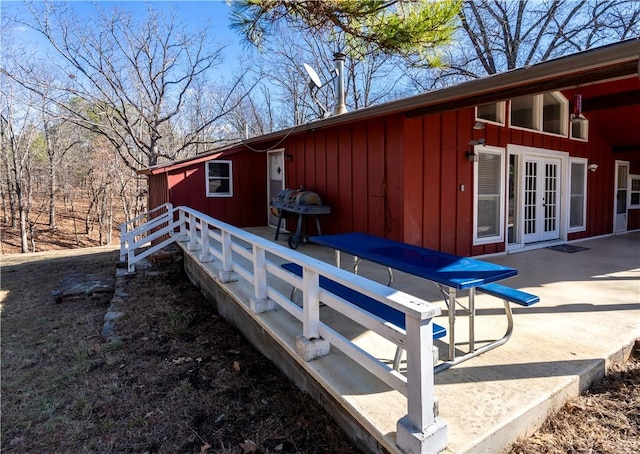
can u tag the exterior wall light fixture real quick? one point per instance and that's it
(471, 156)
(593, 167)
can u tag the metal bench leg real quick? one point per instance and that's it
(397, 358)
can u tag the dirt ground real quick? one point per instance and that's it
(174, 377)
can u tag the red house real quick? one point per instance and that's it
(539, 155)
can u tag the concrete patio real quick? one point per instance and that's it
(588, 317)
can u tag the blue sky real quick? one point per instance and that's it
(196, 13)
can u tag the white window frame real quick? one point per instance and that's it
(538, 112)
(585, 123)
(206, 176)
(564, 113)
(632, 177)
(500, 237)
(583, 227)
(500, 110)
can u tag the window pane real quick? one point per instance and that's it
(489, 112)
(576, 218)
(218, 169)
(621, 201)
(219, 185)
(635, 198)
(577, 201)
(522, 112)
(488, 174)
(552, 118)
(578, 173)
(488, 216)
(622, 177)
(579, 129)
(489, 195)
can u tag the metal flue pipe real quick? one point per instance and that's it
(341, 107)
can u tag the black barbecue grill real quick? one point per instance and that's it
(301, 203)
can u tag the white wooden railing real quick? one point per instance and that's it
(241, 255)
(145, 228)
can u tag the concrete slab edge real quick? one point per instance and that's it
(531, 419)
(205, 277)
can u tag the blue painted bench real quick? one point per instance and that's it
(509, 294)
(387, 313)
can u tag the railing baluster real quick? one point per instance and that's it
(259, 301)
(123, 242)
(205, 256)
(225, 274)
(310, 345)
(193, 237)
(421, 422)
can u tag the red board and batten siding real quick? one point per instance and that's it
(345, 165)
(247, 207)
(438, 213)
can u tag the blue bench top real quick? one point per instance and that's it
(508, 293)
(365, 302)
(446, 269)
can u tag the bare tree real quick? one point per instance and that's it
(497, 36)
(59, 138)
(18, 136)
(371, 77)
(130, 79)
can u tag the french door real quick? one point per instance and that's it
(541, 199)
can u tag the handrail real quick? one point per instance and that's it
(131, 240)
(240, 254)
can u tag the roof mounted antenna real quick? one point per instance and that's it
(316, 84)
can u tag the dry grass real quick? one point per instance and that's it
(179, 379)
(605, 419)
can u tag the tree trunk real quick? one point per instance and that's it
(52, 192)
(22, 213)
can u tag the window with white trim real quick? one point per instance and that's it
(555, 112)
(579, 129)
(219, 179)
(547, 112)
(524, 112)
(491, 113)
(634, 193)
(578, 194)
(489, 195)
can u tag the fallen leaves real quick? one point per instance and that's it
(248, 446)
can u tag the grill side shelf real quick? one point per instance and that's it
(301, 211)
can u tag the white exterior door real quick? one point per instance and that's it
(621, 191)
(275, 180)
(541, 199)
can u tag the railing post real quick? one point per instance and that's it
(421, 430)
(310, 345)
(130, 257)
(182, 236)
(193, 236)
(259, 301)
(225, 275)
(123, 242)
(205, 256)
